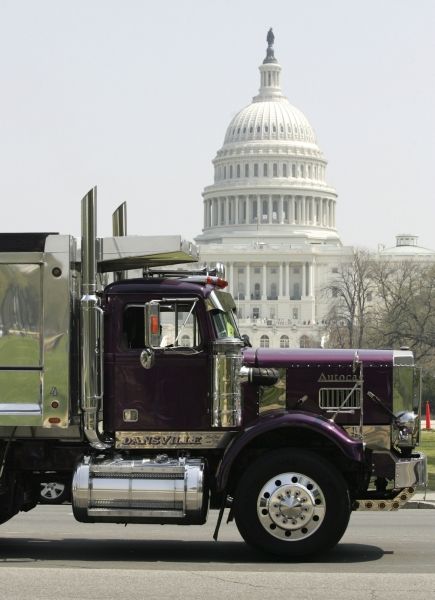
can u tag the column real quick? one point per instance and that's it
(322, 213)
(236, 209)
(287, 282)
(291, 219)
(231, 278)
(227, 211)
(270, 209)
(281, 209)
(310, 279)
(281, 280)
(264, 290)
(248, 282)
(304, 279)
(303, 212)
(313, 211)
(251, 209)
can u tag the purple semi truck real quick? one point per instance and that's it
(144, 403)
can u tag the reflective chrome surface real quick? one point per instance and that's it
(406, 397)
(227, 402)
(376, 437)
(119, 228)
(92, 327)
(411, 472)
(36, 335)
(113, 490)
(274, 396)
(147, 358)
(135, 252)
(165, 440)
(291, 506)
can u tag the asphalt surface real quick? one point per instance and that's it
(45, 554)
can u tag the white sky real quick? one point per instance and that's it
(134, 96)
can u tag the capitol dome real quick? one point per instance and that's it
(269, 175)
(270, 120)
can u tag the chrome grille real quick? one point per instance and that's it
(335, 399)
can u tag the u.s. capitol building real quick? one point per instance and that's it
(270, 217)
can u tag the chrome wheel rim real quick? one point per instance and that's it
(291, 506)
(52, 490)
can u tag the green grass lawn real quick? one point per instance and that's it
(427, 445)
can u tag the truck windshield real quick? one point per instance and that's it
(225, 324)
(222, 307)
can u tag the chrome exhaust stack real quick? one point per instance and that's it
(91, 328)
(119, 229)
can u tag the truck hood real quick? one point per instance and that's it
(302, 357)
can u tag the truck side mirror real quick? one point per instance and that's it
(152, 324)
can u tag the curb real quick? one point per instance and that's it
(419, 504)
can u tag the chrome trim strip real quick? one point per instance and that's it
(136, 440)
(375, 505)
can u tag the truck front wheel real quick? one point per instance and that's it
(292, 503)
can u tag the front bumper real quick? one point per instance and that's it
(411, 472)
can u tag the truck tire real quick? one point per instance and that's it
(292, 503)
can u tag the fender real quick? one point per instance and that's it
(350, 447)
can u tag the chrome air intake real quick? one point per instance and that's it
(227, 402)
(91, 327)
(159, 490)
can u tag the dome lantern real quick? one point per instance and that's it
(270, 74)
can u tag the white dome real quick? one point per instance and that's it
(269, 174)
(270, 120)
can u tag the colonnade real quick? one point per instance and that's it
(269, 209)
(293, 280)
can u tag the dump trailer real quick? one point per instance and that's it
(142, 399)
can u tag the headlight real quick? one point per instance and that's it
(406, 429)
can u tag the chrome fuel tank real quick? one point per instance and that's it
(162, 490)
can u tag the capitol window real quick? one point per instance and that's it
(284, 342)
(265, 170)
(275, 169)
(258, 128)
(231, 171)
(225, 172)
(255, 170)
(238, 170)
(246, 170)
(251, 129)
(284, 170)
(293, 170)
(266, 128)
(264, 341)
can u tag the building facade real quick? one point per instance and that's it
(270, 217)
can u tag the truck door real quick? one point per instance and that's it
(174, 393)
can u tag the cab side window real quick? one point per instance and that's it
(178, 326)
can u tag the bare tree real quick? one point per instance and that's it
(405, 300)
(350, 293)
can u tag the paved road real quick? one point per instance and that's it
(46, 555)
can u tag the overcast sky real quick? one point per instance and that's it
(134, 96)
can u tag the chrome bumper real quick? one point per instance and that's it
(411, 472)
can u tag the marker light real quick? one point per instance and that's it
(154, 323)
